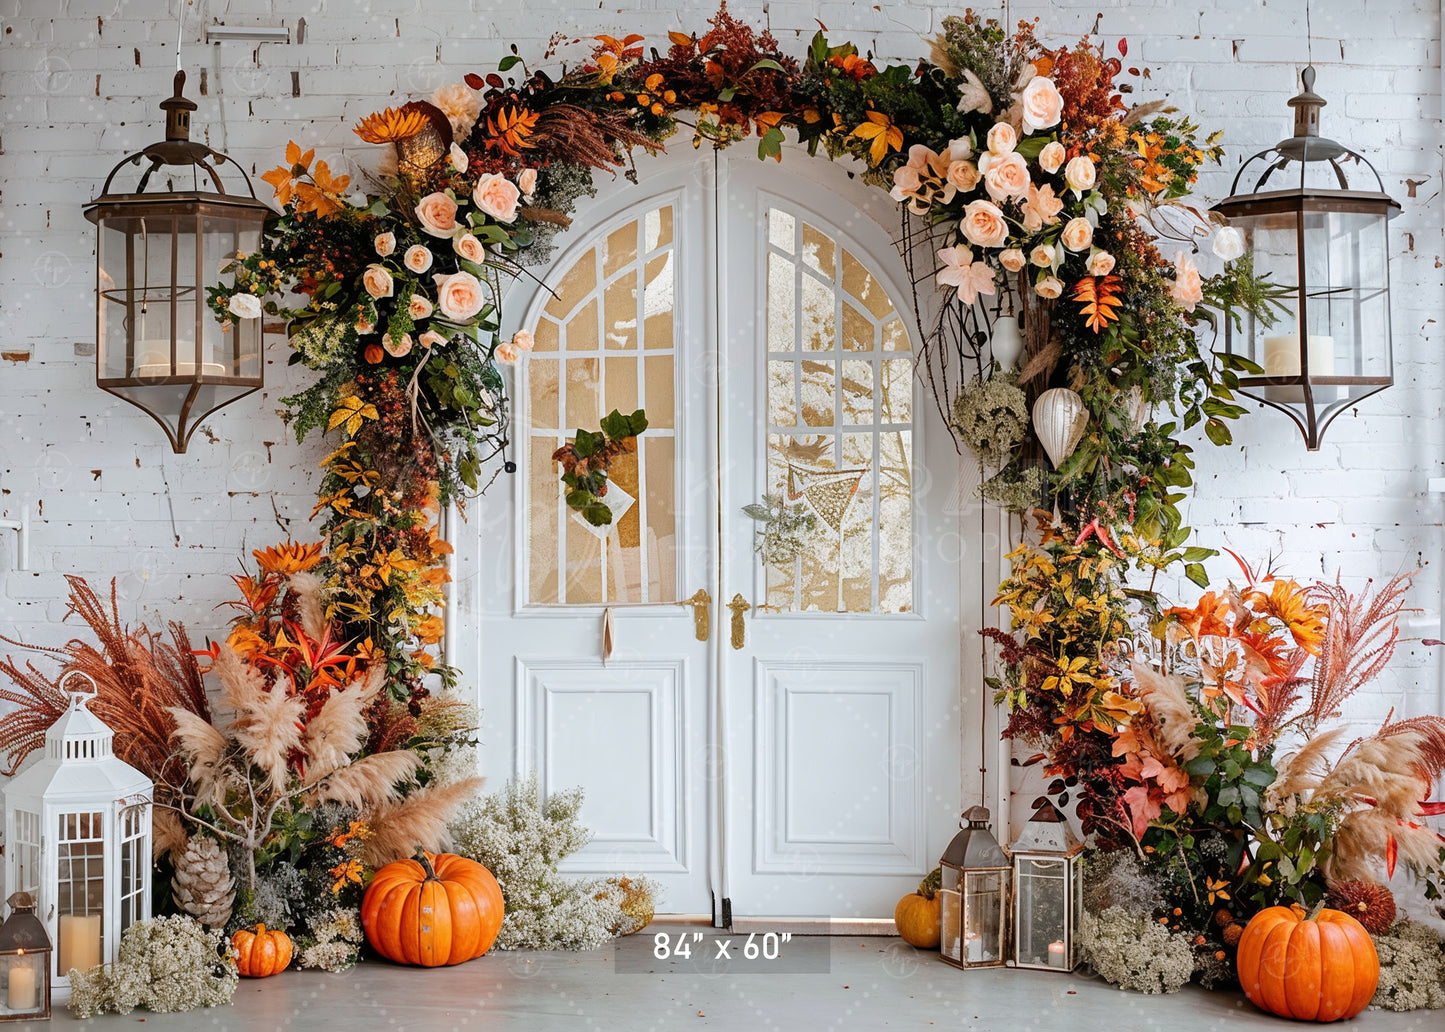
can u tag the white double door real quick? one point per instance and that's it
(793, 746)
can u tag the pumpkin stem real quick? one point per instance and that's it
(930, 885)
(1313, 914)
(426, 866)
(260, 930)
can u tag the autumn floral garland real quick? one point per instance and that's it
(1022, 166)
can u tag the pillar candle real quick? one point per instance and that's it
(1056, 954)
(20, 988)
(1281, 355)
(79, 942)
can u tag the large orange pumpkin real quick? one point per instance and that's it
(442, 909)
(1319, 968)
(261, 953)
(918, 915)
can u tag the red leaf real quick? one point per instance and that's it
(474, 80)
(1123, 47)
(1392, 853)
(494, 80)
(1429, 809)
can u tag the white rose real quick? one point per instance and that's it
(245, 306)
(459, 158)
(417, 258)
(1101, 263)
(1041, 104)
(1002, 138)
(960, 149)
(1228, 243)
(470, 248)
(377, 281)
(1079, 173)
(1051, 158)
(527, 182)
(1077, 234)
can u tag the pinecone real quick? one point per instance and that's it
(203, 884)
(1371, 905)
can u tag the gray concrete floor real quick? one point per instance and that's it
(870, 983)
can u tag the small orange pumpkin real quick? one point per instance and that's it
(261, 952)
(918, 915)
(1310, 968)
(442, 909)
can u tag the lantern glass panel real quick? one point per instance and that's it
(950, 914)
(22, 983)
(25, 846)
(235, 349)
(983, 916)
(134, 866)
(1076, 910)
(80, 892)
(1040, 890)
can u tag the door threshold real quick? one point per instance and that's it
(791, 925)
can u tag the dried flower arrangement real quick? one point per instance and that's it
(164, 965)
(1412, 968)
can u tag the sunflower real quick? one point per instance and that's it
(391, 125)
(292, 557)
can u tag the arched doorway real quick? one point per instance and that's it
(806, 758)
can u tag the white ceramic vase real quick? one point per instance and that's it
(1060, 417)
(1006, 342)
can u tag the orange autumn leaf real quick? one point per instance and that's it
(881, 134)
(508, 130)
(1288, 603)
(680, 39)
(1099, 298)
(391, 125)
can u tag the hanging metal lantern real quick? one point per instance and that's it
(158, 345)
(1329, 245)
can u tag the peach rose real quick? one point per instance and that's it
(418, 307)
(1186, 289)
(460, 161)
(963, 174)
(1101, 263)
(1079, 174)
(497, 196)
(437, 214)
(527, 182)
(1007, 176)
(983, 224)
(1051, 158)
(1041, 104)
(506, 353)
(385, 243)
(431, 338)
(470, 248)
(364, 325)
(459, 296)
(461, 104)
(417, 258)
(906, 182)
(397, 348)
(1013, 259)
(1002, 139)
(377, 281)
(1042, 256)
(523, 340)
(1049, 287)
(1077, 234)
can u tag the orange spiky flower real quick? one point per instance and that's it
(391, 125)
(1099, 298)
(508, 130)
(292, 557)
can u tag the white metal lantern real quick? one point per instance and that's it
(78, 836)
(1048, 891)
(973, 905)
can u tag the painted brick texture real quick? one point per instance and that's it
(79, 80)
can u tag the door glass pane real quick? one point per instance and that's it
(839, 426)
(609, 331)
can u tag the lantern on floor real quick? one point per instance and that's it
(1048, 891)
(78, 840)
(1328, 243)
(974, 897)
(24, 962)
(158, 345)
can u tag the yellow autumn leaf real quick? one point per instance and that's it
(882, 134)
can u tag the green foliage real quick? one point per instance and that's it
(586, 458)
(784, 532)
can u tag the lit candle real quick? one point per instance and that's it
(79, 942)
(973, 947)
(1056, 954)
(153, 358)
(21, 988)
(1281, 355)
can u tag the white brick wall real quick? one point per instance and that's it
(79, 80)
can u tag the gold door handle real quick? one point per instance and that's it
(700, 602)
(739, 606)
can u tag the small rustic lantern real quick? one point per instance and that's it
(24, 962)
(158, 346)
(974, 897)
(78, 840)
(1048, 891)
(1329, 245)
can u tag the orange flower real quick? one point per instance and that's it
(322, 194)
(246, 643)
(1288, 603)
(282, 178)
(289, 558)
(391, 125)
(507, 131)
(430, 629)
